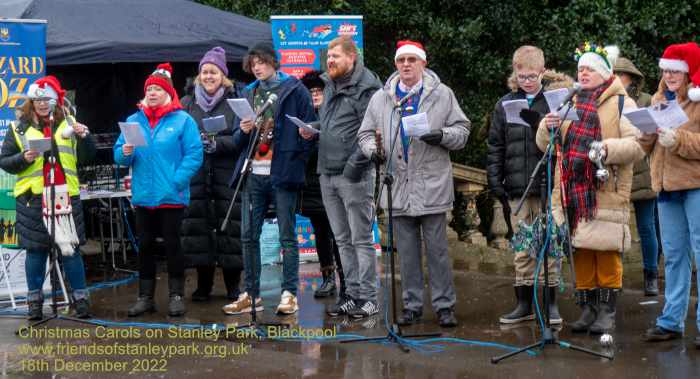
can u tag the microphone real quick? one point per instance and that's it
(412, 92)
(52, 108)
(575, 90)
(270, 100)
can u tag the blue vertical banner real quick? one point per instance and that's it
(301, 42)
(22, 61)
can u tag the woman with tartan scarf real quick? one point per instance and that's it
(597, 208)
(43, 115)
(160, 185)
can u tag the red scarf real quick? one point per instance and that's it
(578, 172)
(58, 175)
(154, 114)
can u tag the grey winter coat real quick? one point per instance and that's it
(341, 115)
(424, 185)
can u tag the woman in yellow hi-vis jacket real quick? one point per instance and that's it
(43, 116)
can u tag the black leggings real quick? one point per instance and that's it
(163, 222)
(326, 248)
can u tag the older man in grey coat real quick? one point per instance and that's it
(423, 189)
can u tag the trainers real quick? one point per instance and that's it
(288, 304)
(344, 304)
(243, 305)
(364, 309)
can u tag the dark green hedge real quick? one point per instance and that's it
(470, 43)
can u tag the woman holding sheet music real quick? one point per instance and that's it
(675, 175)
(203, 244)
(160, 184)
(592, 191)
(44, 115)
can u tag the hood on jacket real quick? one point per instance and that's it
(430, 82)
(361, 78)
(281, 75)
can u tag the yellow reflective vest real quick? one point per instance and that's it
(32, 178)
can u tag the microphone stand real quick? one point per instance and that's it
(394, 331)
(56, 277)
(246, 170)
(548, 336)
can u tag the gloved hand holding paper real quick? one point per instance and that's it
(416, 125)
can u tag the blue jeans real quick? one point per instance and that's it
(35, 269)
(645, 214)
(679, 216)
(257, 197)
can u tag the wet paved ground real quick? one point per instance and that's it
(484, 292)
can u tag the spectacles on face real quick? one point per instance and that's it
(316, 91)
(671, 72)
(528, 78)
(409, 60)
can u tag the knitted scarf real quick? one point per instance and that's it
(204, 100)
(578, 172)
(57, 209)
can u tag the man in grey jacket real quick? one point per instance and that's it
(423, 189)
(348, 201)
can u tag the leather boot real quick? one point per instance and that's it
(651, 283)
(523, 309)
(35, 305)
(328, 286)
(232, 278)
(588, 301)
(605, 322)
(176, 288)
(205, 282)
(144, 302)
(554, 316)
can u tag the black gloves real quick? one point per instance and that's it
(377, 158)
(531, 117)
(356, 166)
(433, 138)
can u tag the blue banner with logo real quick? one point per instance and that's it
(301, 42)
(22, 61)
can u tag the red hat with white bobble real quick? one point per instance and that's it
(684, 57)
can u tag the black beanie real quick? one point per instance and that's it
(312, 79)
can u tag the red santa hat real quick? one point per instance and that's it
(410, 47)
(162, 77)
(684, 57)
(47, 87)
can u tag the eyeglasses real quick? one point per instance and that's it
(409, 60)
(672, 72)
(528, 78)
(316, 91)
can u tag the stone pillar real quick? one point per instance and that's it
(499, 227)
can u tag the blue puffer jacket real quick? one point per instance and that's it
(162, 170)
(290, 150)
